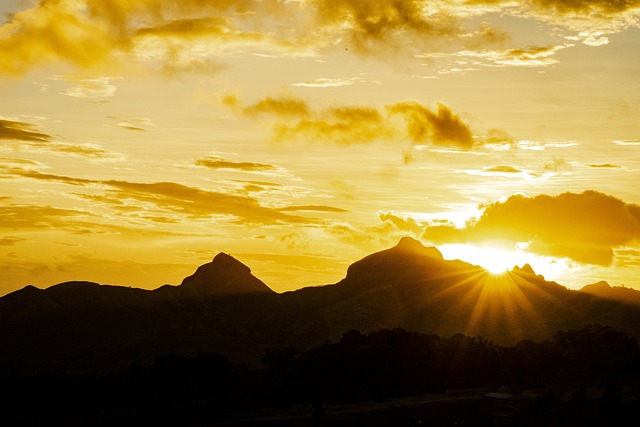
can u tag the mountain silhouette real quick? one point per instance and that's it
(224, 275)
(222, 307)
(617, 293)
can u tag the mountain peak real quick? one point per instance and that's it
(226, 261)
(526, 268)
(601, 285)
(411, 245)
(409, 258)
(224, 275)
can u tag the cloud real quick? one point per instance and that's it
(93, 33)
(99, 87)
(54, 30)
(371, 26)
(607, 7)
(283, 106)
(440, 128)
(591, 19)
(25, 134)
(20, 131)
(219, 163)
(341, 125)
(193, 35)
(313, 208)
(43, 218)
(407, 224)
(603, 166)
(584, 227)
(173, 198)
(627, 257)
(129, 126)
(92, 151)
(403, 121)
(532, 56)
(11, 240)
(324, 82)
(502, 169)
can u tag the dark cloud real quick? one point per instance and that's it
(219, 163)
(609, 7)
(584, 227)
(20, 131)
(603, 166)
(371, 24)
(403, 121)
(441, 127)
(25, 133)
(189, 28)
(502, 169)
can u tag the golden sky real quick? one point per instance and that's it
(140, 138)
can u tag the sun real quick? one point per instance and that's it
(494, 259)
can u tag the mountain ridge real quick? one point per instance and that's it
(222, 307)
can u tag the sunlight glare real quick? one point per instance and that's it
(494, 259)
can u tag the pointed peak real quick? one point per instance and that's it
(524, 269)
(226, 261)
(409, 244)
(224, 275)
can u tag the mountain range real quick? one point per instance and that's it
(86, 327)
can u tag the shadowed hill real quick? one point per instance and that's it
(617, 293)
(412, 287)
(224, 275)
(222, 307)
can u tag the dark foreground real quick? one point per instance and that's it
(385, 378)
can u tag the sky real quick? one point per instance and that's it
(139, 139)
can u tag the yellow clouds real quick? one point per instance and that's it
(24, 134)
(222, 164)
(169, 200)
(370, 24)
(54, 30)
(93, 32)
(607, 7)
(284, 106)
(20, 131)
(584, 227)
(402, 121)
(193, 34)
(439, 128)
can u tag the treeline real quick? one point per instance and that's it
(381, 365)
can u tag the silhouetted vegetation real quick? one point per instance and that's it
(374, 367)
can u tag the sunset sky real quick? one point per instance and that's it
(140, 138)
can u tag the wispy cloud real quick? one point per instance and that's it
(20, 131)
(171, 197)
(220, 163)
(324, 82)
(26, 135)
(100, 87)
